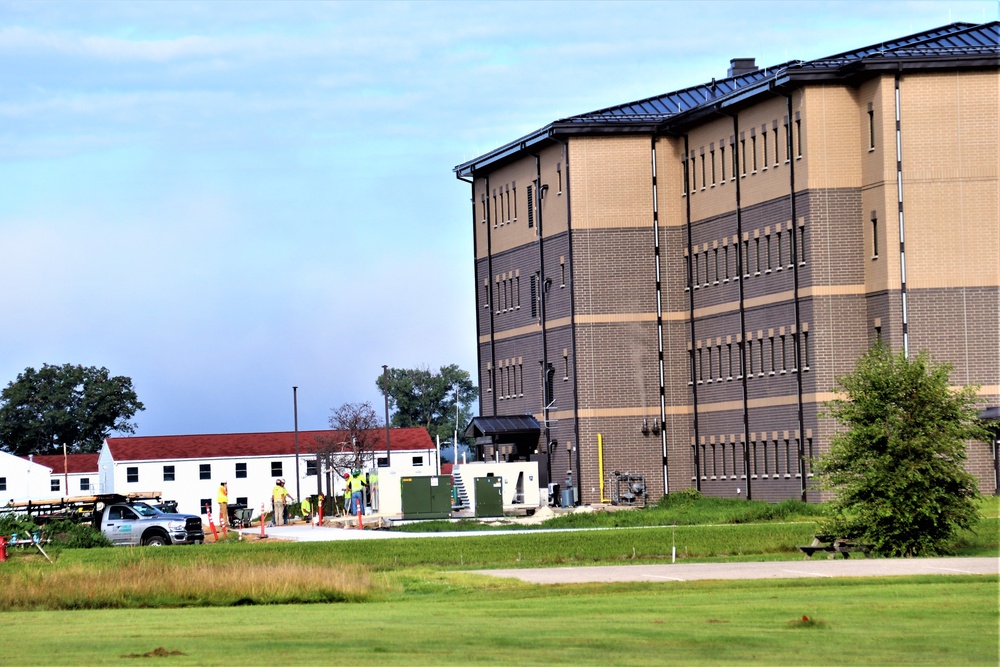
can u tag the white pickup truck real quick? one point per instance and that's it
(124, 519)
(137, 524)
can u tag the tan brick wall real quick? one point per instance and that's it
(611, 182)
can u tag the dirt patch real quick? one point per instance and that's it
(155, 653)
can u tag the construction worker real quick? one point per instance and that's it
(306, 508)
(223, 499)
(279, 497)
(356, 485)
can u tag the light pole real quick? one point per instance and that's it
(295, 408)
(385, 389)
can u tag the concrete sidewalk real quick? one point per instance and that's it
(820, 568)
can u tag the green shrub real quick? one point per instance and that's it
(72, 535)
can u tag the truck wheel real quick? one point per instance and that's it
(155, 541)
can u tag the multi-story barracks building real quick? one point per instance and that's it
(669, 287)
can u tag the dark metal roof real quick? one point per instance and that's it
(950, 44)
(992, 412)
(503, 426)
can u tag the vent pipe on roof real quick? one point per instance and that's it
(738, 66)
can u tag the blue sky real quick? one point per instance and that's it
(222, 200)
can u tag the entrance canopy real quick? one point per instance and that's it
(504, 429)
(521, 431)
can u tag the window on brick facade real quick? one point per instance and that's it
(767, 253)
(746, 258)
(771, 342)
(722, 161)
(756, 243)
(788, 142)
(712, 159)
(763, 147)
(743, 149)
(531, 207)
(760, 349)
(715, 259)
(534, 294)
(704, 180)
(778, 242)
(874, 235)
(871, 127)
(798, 137)
(776, 158)
(802, 245)
(725, 263)
(513, 192)
(749, 345)
(696, 276)
(784, 356)
(805, 350)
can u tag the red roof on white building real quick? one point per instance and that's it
(155, 447)
(74, 463)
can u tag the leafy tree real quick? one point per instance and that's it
(420, 397)
(69, 405)
(360, 431)
(897, 467)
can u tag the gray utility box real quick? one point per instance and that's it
(489, 496)
(426, 497)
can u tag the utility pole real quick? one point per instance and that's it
(295, 407)
(388, 449)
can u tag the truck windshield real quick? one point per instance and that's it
(145, 510)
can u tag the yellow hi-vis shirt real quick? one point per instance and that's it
(279, 492)
(223, 495)
(356, 483)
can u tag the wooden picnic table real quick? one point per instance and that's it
(834, 545)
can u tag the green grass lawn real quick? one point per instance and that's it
(408, 601)
(430, 617)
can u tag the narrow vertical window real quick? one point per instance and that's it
(725, 263)
(696, 276)
(712, 156)
(687, 271)
(753, 149)
(531, 207)
(489, 379)
(704, 180)
(715, 253)
(729, 358)
(749, 357)
(694, 176)
(559, 178)
(798, 137)
(565, 365)
(708, 353)
(802, 245)
(706, 268)
(534, 295)
(756, 242)
(874, 235)
(771, 340)
(722, 161)
(746, 258)
(701, 366)
(763, 146)
(514, 197)
(743, 149)
(805, 350)
(718, 354)
(764, 447)
(784, 356)
(517, 291)
(767, 243)
(778, 240)
(788, 141)
(732, 151)
(776, 145)
(562, 273)
(760, 350)
(788, 458)
(871, 127)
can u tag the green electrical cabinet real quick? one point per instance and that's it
(489, 496)
(426, 497)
